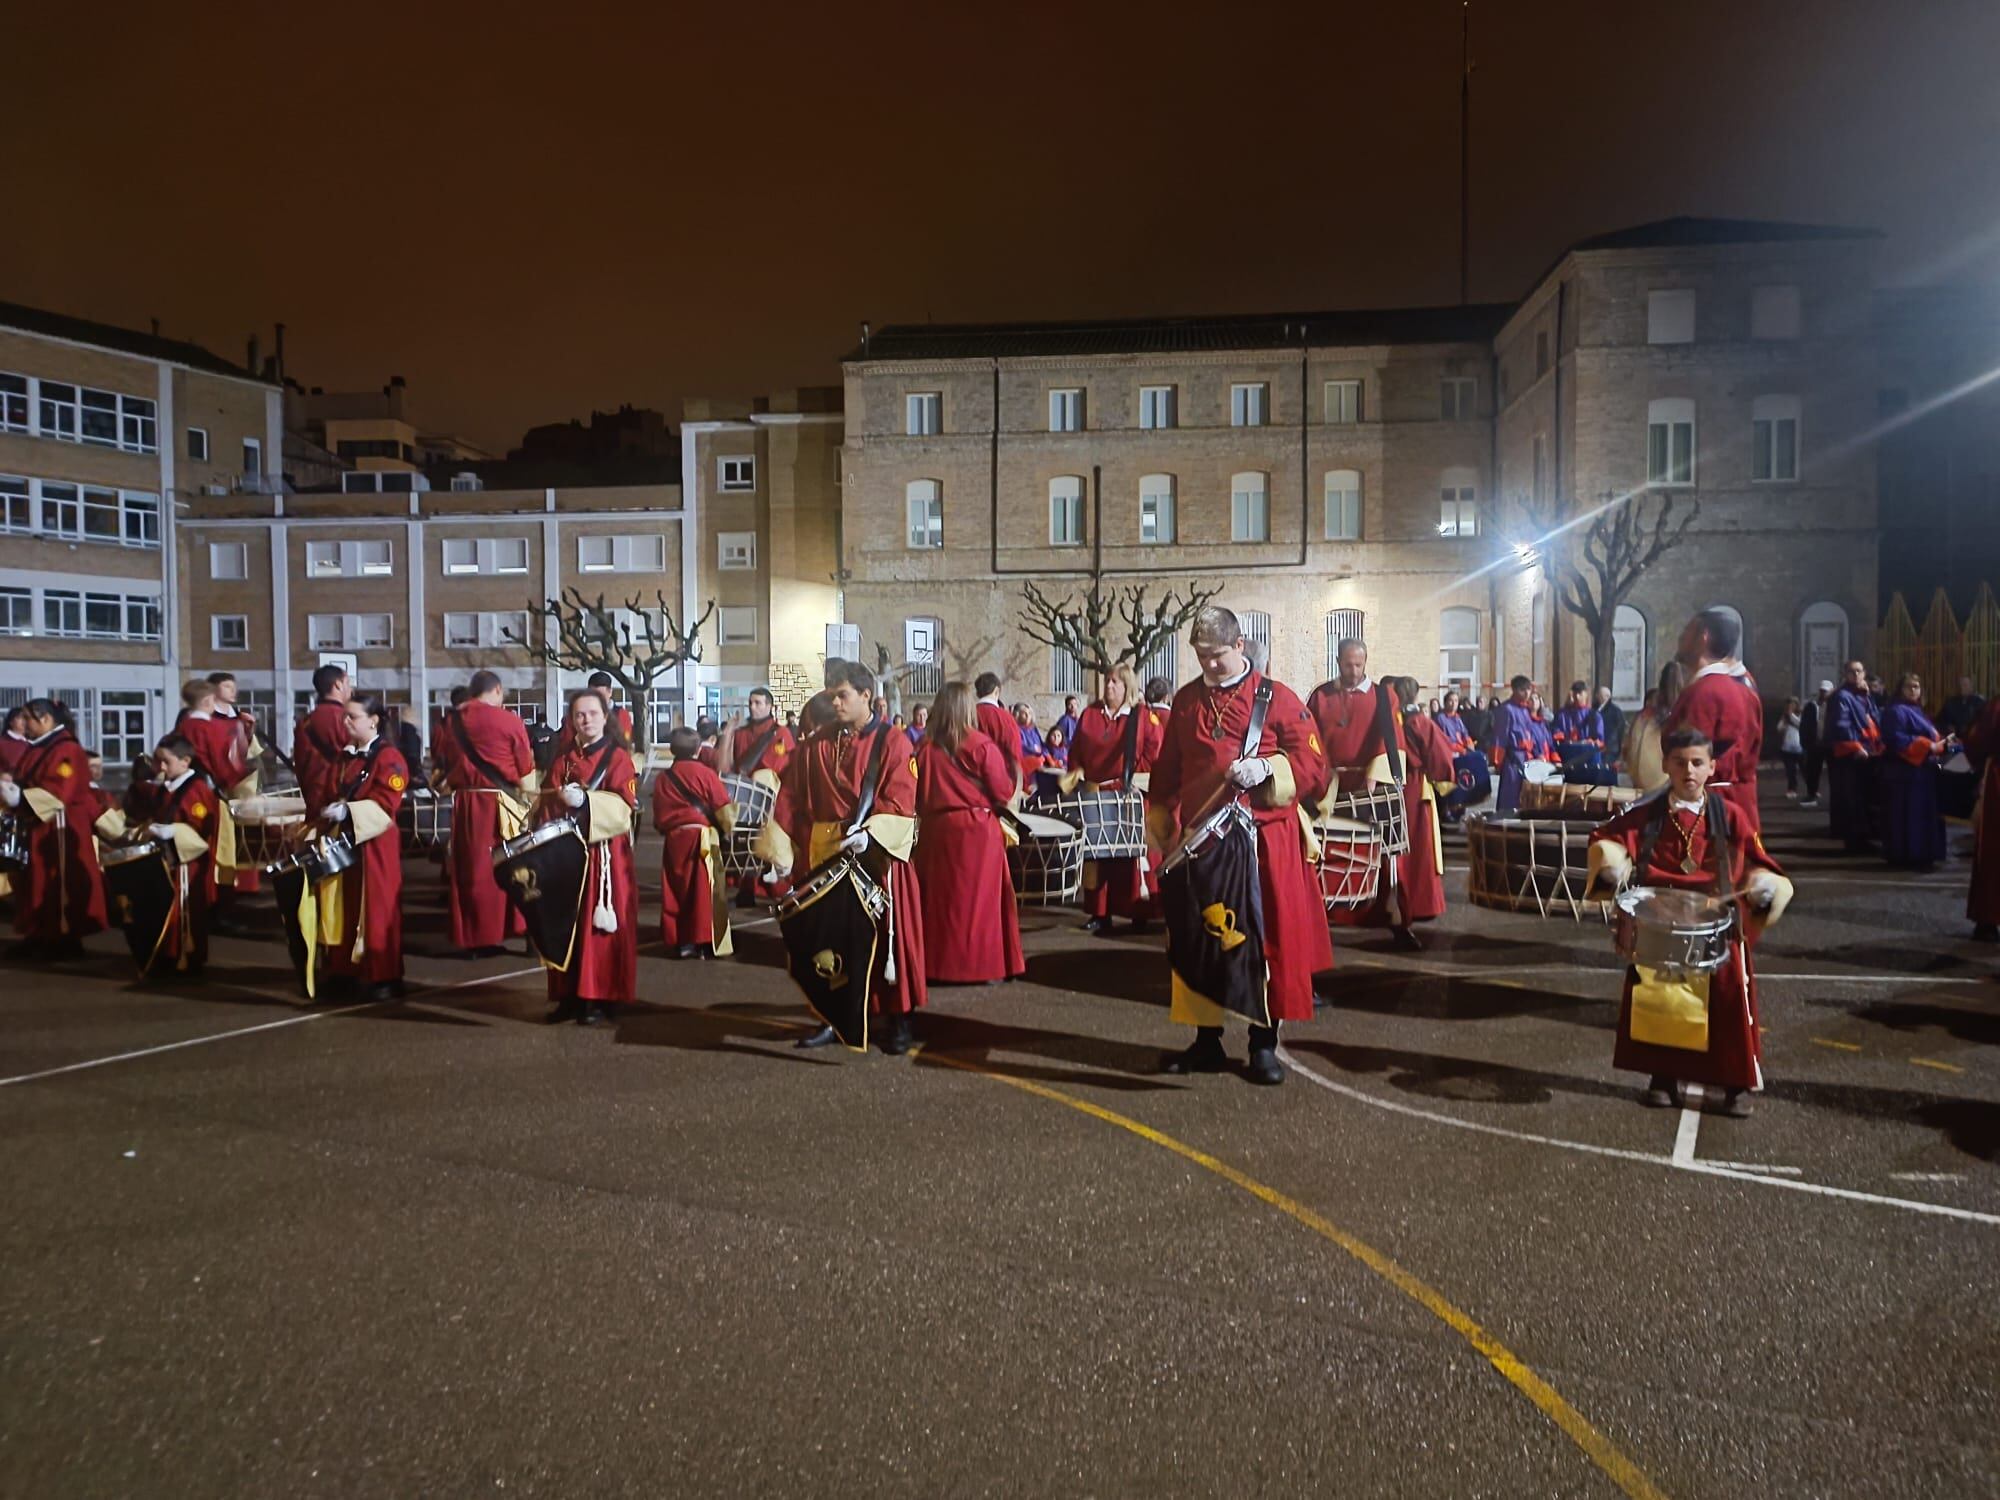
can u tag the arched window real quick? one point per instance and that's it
(1774, 439)
(1156, 509)
(1458, 649)
(926, 513)
(1670, 442)
(1066, 511)
(1822, 645)
(1343, 505)
(1458, 503)
(1630, 670)
(1250, 507)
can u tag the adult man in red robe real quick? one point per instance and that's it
(60, 900)
(972, 930)
(1361, 730)
(595, 783)
(490, 767)
(692, 811)
(819, 796)
(997, 723)
(1204, 751)
(1691, 839)
(321, 737)
(1117, 740)
(757, 749)
(1721, 701)
(1982, 902)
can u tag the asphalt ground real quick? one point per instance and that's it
(440, 1248)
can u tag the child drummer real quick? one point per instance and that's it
(1693, 1027)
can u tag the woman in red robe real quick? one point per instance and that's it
(1420, 879)
(365, 946)
(971, 922)
(179, 806)
(1117, 740)
(593, 780)
(692, 811)
(1668, 842)
(60, 901)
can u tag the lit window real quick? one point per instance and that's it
(1156, 406)
(1458, 648)
(1343, 505)
(1249, 508)
(1670, 442)
(926, 513)
(1249, 405)
(737, 473)
(1774, 439)
(1156, 509)
(1774, 312)
(923, 413)
(1066, 511)
(1343, 402)
(1458, 504)
(1066, 411)
(229, 632)
(1455, 398)
(1670, 317)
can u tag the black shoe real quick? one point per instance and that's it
(1097, 924)
(899, 1038)
(595, 1015)
(687, 950)
(491, 950)
(1408, 941)
(1735, 1104)
(1986, 932)
(388, 989)
(1264, 1069)
(1661, 1093)
(27, 948)
(1203, 1055)
(824, 1037)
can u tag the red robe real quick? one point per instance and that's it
(687, 898)
(972, 927)
(1420, 887)
(998, 726)
(1112, 887)
(1347, 732)
(12, 748)
(1195, 758)
(374, 885)
(479, 913)
(317, 745)
(1727, 709)
(64, 890)
(218, 748)
(777, 755)
(1982, 744)
(1733, 1056)
(823, 785)
(604, 969)
(196, 803)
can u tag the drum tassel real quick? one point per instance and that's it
(605, 917)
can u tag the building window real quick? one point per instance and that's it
(1458, 649)
(101, 617)
(1065, 672)
(1066, 411)
(198, 444)
(350, 632)
(76, 414)
(229, 632)
(736, 551)
(465, 482)
(923, 413)
(373, 559)
(1249, 508)
(643, 553)
(1342, 625)
(1256, 626)
(253, 458)
(1541, 352)
(926, 513)
(1774, 312)
(14, 404)
(736, 473)
(1455, 395)
(1343, 402)
(1670, 317)
(1458, 508)
(472, 630)
(1249, 405)
(1156, 509)
(1670, 442)
(1162, 663)
(736, 625)
(17, 611)
(17, 504)
(228, 561)
(1066, 511)
(501, 554)
(1157, 406)
(58, 410)
(921, 636)
(79, 513)
(1774, 439)
(1343, 505)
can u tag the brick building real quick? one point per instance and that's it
(1358, 472)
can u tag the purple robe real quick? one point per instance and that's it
(1913, 831)
(1516, 737)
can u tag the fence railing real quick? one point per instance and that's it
(1942, 649)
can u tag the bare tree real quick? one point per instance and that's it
(1595, 565)
(636, 643)
(1086, 628)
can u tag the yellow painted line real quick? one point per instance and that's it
(1822, 1041)
(1931, 1062)
(1596, 1446)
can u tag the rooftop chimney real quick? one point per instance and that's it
(281, 351)
(250, 364)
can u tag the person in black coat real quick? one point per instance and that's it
(1812, 719)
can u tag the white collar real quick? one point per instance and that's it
(1733, 668)
(1677, 805)
(995, 701)
(43, 738)
(227, 710)
(175, 784)
(13, 735)
(360, 749)
(1237, 678)
(1119, 715)
(1365, 685)
(199, 713)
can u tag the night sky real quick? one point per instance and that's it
(532, 210)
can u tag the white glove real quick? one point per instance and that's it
(10, 793)
(574, 795)
(162, 830)
(336, 812)
(855, 842)
(1254, 771)
(776, 874)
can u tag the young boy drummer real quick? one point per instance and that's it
(691, 808)
(1688, 839)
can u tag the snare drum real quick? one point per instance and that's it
(1680, 932)
(1382, 806)
(1047, 864)
(1350, 862)
(543, 833)
(425, 820)
(753, 801)
(265, 828)
(1113, 822)
(321, 859)
(873, 896)
(13, 843)
(114, 856)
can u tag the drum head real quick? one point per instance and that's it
(1042, 826)
(1662, 906)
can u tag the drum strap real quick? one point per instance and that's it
(479, 762)
(1131, 763)
(759, 750)
(688, 793)
(1260, 710)
(1385, 727)
(871, 778)
(349, 783)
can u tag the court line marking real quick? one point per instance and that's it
(298, 1020)
(1932, 1062)
(1493, 975)
(1690, 1125)
(1707, 1169)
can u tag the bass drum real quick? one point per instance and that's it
(1539, 865)
(1047, 865)
(1350, 862)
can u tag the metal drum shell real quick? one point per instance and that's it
(874, 896)
(14, 847)
(1676, 944)
(1537, 865)
(111, 856)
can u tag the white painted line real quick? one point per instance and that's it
(1708, 1169)
(1752, 1166)
(1928, 1176)
(1690, 1126)
(1508, 971)
(298, 1020)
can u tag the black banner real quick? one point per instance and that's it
(1214, 908)
(831, 942)
(545, 884)
(145, 897)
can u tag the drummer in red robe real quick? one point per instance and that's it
(1420, 879)
(13, 740)
(60, 901)
(364, 941)
(1982, 902)
(594, 781)
(692, 810)
(1669, 842)
(1721, 701)
(1117, 740)
(972, 927)
(758, 749)
(482, 747)
(320, 738)
(1361, 753)
(998, 724)
(819, 797)
(1204, 749)
(181, 807)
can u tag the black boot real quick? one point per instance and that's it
(1408, 941)
(1203, 1055)
(1661, 1092)
(1264, 1068)
(898, 1038)
(1735, 1104)
(1097, 924)
(1986, 932)
(746, 894)
(824, 1037)
(388, 989)
(687, 950)
(595, 1015)
(566, 1010)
